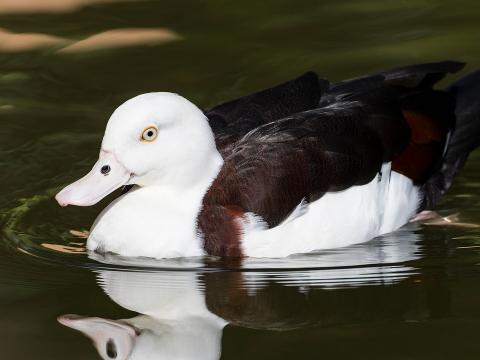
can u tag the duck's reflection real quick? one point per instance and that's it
(183, 313)
(175, 321)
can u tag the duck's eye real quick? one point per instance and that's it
(149, 134)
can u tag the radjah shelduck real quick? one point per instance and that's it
(302, 166)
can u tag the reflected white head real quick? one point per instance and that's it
(152, 139)
(114, 340)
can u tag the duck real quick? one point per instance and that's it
(303, 166)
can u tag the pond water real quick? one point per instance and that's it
(64, 67)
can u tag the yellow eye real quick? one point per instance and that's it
(149, 134)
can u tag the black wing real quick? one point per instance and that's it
(232, 120)
(276, 166)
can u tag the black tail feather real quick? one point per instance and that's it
(406, 78)
(421, 75)
(464, 139)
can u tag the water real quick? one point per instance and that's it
(410, 295)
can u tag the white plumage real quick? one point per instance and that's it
(337, 219)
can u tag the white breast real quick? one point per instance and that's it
(150, 222)
(337, 219)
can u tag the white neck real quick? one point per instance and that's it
(197, 177)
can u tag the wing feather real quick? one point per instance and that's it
(275, 166)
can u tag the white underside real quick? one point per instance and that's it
(158, 223)
(337, 219)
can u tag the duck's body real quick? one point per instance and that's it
(342, 218)
(302, 166)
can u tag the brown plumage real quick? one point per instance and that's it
(302, 139)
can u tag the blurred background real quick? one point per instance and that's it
(66, 64)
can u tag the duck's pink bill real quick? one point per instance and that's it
(107, 175)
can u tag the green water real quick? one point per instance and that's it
(409, 295)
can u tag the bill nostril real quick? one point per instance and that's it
(105, 169)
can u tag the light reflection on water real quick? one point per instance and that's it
(182, 312)
(382, 260)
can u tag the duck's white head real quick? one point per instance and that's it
(152, 139)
